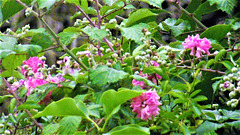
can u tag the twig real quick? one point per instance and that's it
(19, 100)
(55, 36)
(203, 69)
(103, 17)
(90, 129)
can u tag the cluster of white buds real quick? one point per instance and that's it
(231, 83)
(78, 22)
(28, 12)
(113, 21)
(25, 28)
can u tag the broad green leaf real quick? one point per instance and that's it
(12, 73)
(11, 7)
(44, 90)
(28, 105)
(50, 129)
(156, 70)
(139, 16)
(236, 25)
(110, 2)
(5, 53)
(224, 5)
(129, 130)
(95, 33)
(220, 54)
(7, 43)
(73, 1)
(103, 75)
(210, 62)
(112, 99)
(228, 65)
(221, 29)
(12, 61)
(69, 124)
(46, 3)
(134, 32)
(2, 98)
(155, 3)
(205, 8)
(68, 37)
(208, 126)
(175, 26)
(12, 105)
(40, 37)
(31, 50)
(63, 107)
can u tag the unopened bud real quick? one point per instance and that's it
(234, 70)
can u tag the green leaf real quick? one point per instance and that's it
(155, 3)
(79, 133)
(220, 54)
(12, 61)
(95, 33)
(224, 5)
(110, 2)
(177, 27)
(148, 82)
(5, 53)
(14, 73)
(63, 107)
(112, 99)
(50, 129)
(158, 70)
(134, 32)
(11, 7)
(129, 130)
(228, 65)
(7, 43)
(221, 29)
(31, 50)
(208, 126)
(73, 1)
(103, 75)
(139, 16)
(137, 51)
(28, 105)
(69, 124)
(205, 8)
(40, 37)
(67, 37)
(2, 98)
(200, 98)
(236, 25)
(12, 105)
(45, 3)
(44, 90)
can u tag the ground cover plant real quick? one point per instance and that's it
(142, 68)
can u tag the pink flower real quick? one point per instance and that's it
(56, 79)
(146, 105)
(32, 83)
(197, 45)
(140, 83)
(154, 63)
(32, 62)
(17, 84)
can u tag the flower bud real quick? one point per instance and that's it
(153, 47)
(234, 70)
(155, 58)
(43, 58)
(25, 66)
(127, 54)
(149, 51)
(232, 94)
(230, 76)
(113, 21)
(229, 103)
(7, 132)
(137, 58)
(1, 125)
(225, 78)
(109, 64)
(30, 73)
(114, 55)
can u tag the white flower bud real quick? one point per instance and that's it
(229, 34)
(1, 125)
(137, 57)
(234, 70)
(149, 51)
(153, 47)
(108, 50)
(229, 103)
(127, 54)
(155, 58)
(101, 48)
(230, 76)
(232, 94)
(7, 132)
(43, 58)
(115, 55)
(143, 53)
(113, 21)
(225, 78)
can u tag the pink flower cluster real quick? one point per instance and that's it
(37, 78)
(146, 105)
(197, 45)
(153, 78)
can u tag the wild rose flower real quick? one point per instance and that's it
(197, 45)
(146, 105)
(32, 83)
(32, 62)
(140, 83)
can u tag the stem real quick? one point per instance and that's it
(204, 69)
(94, 123)
(105, 124)
(177, 4)
(103, 17)
(60, 44)
(19, 100)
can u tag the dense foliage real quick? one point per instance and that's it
(134, 75)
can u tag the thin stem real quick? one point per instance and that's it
(177, 4)
(105, 123)
(94, 123)
(103, 17)
(60, 44)
(19, 100)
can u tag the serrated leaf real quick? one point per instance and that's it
(155, 3)
(103, 75)
(50, 129)
(31, 50)
(137, 16)
(45, 3)
(69, 124)
(95, 33)
(224, 5)
(134, 32)
(67, 37)
(129, 129)
(205, 8)
(28, 105)
(112, 99)
(208, 126)
(63, 107)
(12, 61)
(221, 29)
